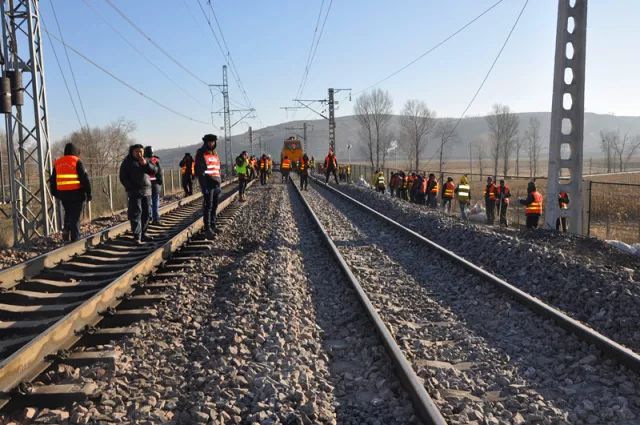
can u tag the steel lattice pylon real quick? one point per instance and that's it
(29, 154)
(228, 160)
(567, 115)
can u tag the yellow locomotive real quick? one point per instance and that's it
(292, 149)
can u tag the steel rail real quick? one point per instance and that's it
(607, 346)
(33, 358)
(422, 402)
(10, 276)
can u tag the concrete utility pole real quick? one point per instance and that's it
(27, 129)
(250, 141)
(567, 115)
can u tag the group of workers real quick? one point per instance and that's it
(420, 189)
(141, 175)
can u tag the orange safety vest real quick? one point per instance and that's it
(268, 163)
(302, 166)
(492, 192)
(505, 193)
(152, 176)
(213, 164)
(423, 186)
(286, 164)
(449, 189)
(263, 164)
(435, 188)
(67, 173)
(534, 208)
(183, 169)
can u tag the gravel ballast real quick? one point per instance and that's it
(484, 358)
(264, 329)
(584, 277)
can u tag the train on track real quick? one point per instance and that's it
(292, 149)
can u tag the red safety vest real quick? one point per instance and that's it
(562, 196)
(492, 192)
(154, 161)
(286, 164)
(213, 164)
(534, 208)
(67, 173)
(505, 194)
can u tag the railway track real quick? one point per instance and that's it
(453, 319)
(88, 292)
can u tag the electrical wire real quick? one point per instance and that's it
(484, 80)
(315, 49)
(62, 73)
(154, 43)
(73, 75)
(305, 73)
(143, 55)
(124, 83)
(431, 49)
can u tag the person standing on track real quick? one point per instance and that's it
(463, 193)
(242, 171)
(312, 166)
(285, 168)
(134, 176)
(156, 184)
(331, 166)
(563, 203)
(448, 191)
(70, 184)
(502, 202)
(303, 168)
(187, 171)
(432, 191)
(490, 200)
(533, 206)
(269, 167)
(262, 168)
(208, 172)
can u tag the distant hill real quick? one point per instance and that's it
(470, 130)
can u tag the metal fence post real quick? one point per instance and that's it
(109, 179)
(171, 175)
(589, 210)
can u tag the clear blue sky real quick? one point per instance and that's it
(363, 41)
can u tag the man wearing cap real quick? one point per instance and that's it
(187, 166)
(156, 184)
(331, 166)
(502, 202)
(208, 171)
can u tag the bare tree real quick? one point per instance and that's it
(373, 112)
(518, 144)
(417, 121)
(606, 145)
(102, 148)
(622, 147)
(503, 129)
(534, 147)
(446, 133)
(634, 146)
(480, 153)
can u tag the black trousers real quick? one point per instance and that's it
(210, 196)
(329, 172)
(139, 212)
(285, 175)
(242, 184)
(72, 212)
(503, 213)
(491, 211)
(563, 221)
(187, 185)
(263, 177)
(304, 181)
(532, 221)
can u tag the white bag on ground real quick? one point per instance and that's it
(477, 213)
(362, 182)
(629, 249)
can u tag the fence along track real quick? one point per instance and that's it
(618, 352)
(66, 312)
(424, 405)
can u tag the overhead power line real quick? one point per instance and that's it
(143, 55)
(431, 49)
(124, 83)
(154, 43)
(486, 77)
(315, 41)
(73, 75)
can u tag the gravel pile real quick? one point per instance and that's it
(257, 332)
(484, 359)
(581, 276)
(12, 256)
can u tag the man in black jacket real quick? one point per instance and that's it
(134, 176)
(208, 173)
(186, 171)
(156, 184)
(70, 184)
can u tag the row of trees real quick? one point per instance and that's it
(418, 124)
(618, 150)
